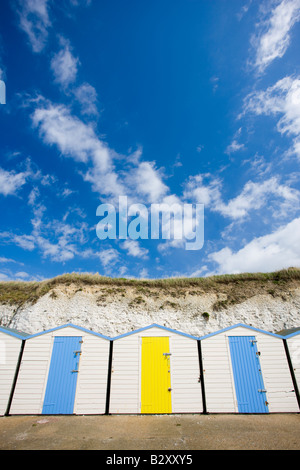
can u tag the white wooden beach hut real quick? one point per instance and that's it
(63, 371)
(291, 341)
(11, 346)
(246, 371)
(155, 370)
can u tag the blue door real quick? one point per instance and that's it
(249, 386)
(62, 377)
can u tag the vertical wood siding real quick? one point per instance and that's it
(10, 347)
(218, 375)
(219, 383)
(126, 373)
(294, 349)
(92, 379)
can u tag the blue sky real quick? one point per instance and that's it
(170, 101)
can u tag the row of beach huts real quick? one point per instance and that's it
(157, 370)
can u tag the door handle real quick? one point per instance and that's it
(262, 391)
(74, 370)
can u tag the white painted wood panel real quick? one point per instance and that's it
(294, 350)
(219, 382)
(10, 347)
(91, 388)
(92, 377)
(126, 373)
(30, 387)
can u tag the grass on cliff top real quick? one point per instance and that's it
(19, 292)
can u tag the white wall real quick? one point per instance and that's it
(126, 373)
(92, 377)
(218, 376)
(218, 379)
(294, 349)
(10, 347)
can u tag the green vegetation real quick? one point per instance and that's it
(18, 292)
(137, 301)
(167, 304)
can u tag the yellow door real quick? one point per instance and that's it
(156, 376)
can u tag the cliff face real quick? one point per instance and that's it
(191, 306)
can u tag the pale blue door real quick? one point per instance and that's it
(249, 385)
(62, 377)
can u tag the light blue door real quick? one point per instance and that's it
(249, 386)
(62, 377)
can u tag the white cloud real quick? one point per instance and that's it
(244, 10)
(146, 181)
(278, 250)
(68, 239)
(64, 65)
(2, 69)
(134, 249)
(78, 140)
(67, 192)
(22, 275)
(234, 147)
(280, 198)
(35, 22)
(34, 194)
(86, 95)
(11, 182)
(34, 19)
(281, 99)
(108, 257)
(196, 191)
(27, 242)
(60, 251)
(55, 240)
(73, 137)
(254, 196)
(144, 273)
(273, 38)
(4, 277)
(8, 260)
(76, 3)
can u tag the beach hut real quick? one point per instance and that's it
(63, 371)
(246, 371)
(11, 347)
(155, 370)
(291, 340)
